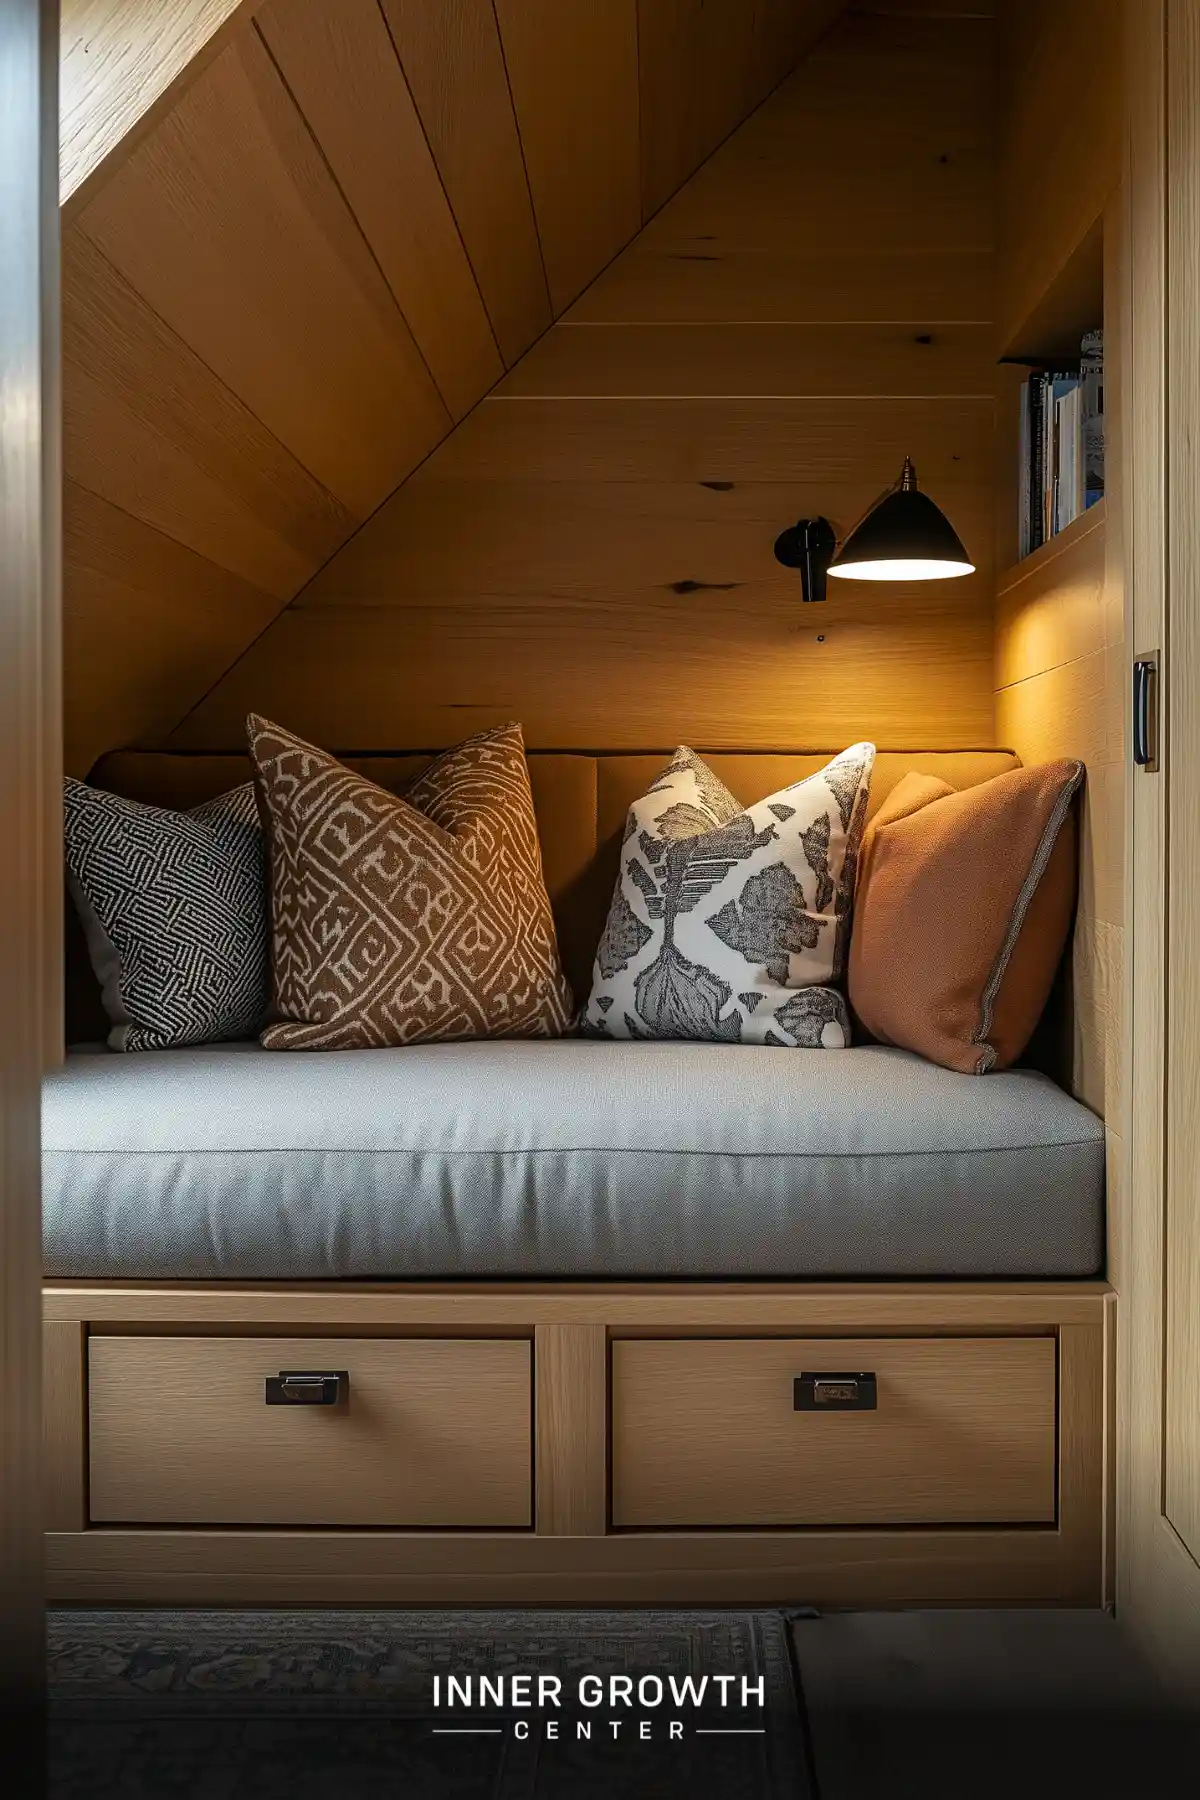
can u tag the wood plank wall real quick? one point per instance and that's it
(591, 550)
(1061, 140)
(120, 63)
(335, 228)
(1060, 643)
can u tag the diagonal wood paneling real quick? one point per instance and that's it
(591, 550)
(150, 427)
(146, 625)
(119, 68)
(342, 69)
(455, 67)
(891, 151)
(705, 64)
(573, 70)
(229, 224)
(312, 251)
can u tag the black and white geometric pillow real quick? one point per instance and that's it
(730, 923)
(174, 910)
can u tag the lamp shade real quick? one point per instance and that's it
(904, 537)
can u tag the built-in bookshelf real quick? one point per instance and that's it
(1056, 374)
(1029, 566)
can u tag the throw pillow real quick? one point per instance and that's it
(174, 912)
(406, 920)
(728, 922)
(963, 905)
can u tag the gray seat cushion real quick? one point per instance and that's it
(568, 1158)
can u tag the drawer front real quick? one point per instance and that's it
(706, 1432)
(427, 1432)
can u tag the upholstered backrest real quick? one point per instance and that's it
(581, 799)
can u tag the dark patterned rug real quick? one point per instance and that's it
(488, 1705)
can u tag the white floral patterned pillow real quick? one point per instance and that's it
(730, 924)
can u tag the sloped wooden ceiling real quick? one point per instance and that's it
(590, 552)
(289, 275)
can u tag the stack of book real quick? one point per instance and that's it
(1062, 444)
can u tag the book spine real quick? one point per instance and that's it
(1062, 384)
(1024, 545)
(1049, 471)
(1092, 417)
(1036, 468)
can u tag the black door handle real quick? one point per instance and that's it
(1145, 713)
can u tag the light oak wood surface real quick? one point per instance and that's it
(845, 443)
(180, 618)
(1061, 145)
(786, 361)
(261, 342)
(64, 1446)
(340, 66)
(228, 482)
(703, 67)
(786, 284)
(454, 64)
(707, 1433)
(491, 587)
(121, 63)
(571, 1429)
(432, 1432)
(1158, 1588)
(1051, 330)
(649, 537)
(982, 1309)
(1061, 651)
(1181, 1048)
(1084, 1463)
(897, 116)
(1062, 675)
(573, 76)
(850, 1568)
(740, 675)
(937, 9)
(228, 221)
(1050, 608)
(571, 1557)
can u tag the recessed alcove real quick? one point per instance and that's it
(664, 280)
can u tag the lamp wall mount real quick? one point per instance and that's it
(808, 546)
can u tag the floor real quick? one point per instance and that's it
(924, 1704)
(907, 1705)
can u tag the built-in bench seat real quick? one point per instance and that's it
(576, 1298)
(570, 1159)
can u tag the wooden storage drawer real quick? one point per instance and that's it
(431, 1432)
(705, 1433)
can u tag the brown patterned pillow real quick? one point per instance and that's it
(405, 921)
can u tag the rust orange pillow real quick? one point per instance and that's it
(405, 920)
(962, 908)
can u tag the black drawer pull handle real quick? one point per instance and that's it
(853, 1392)
(307, 1387)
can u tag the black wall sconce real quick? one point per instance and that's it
(903, 537)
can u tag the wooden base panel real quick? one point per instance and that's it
(818, 1544)
(815, 1568)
